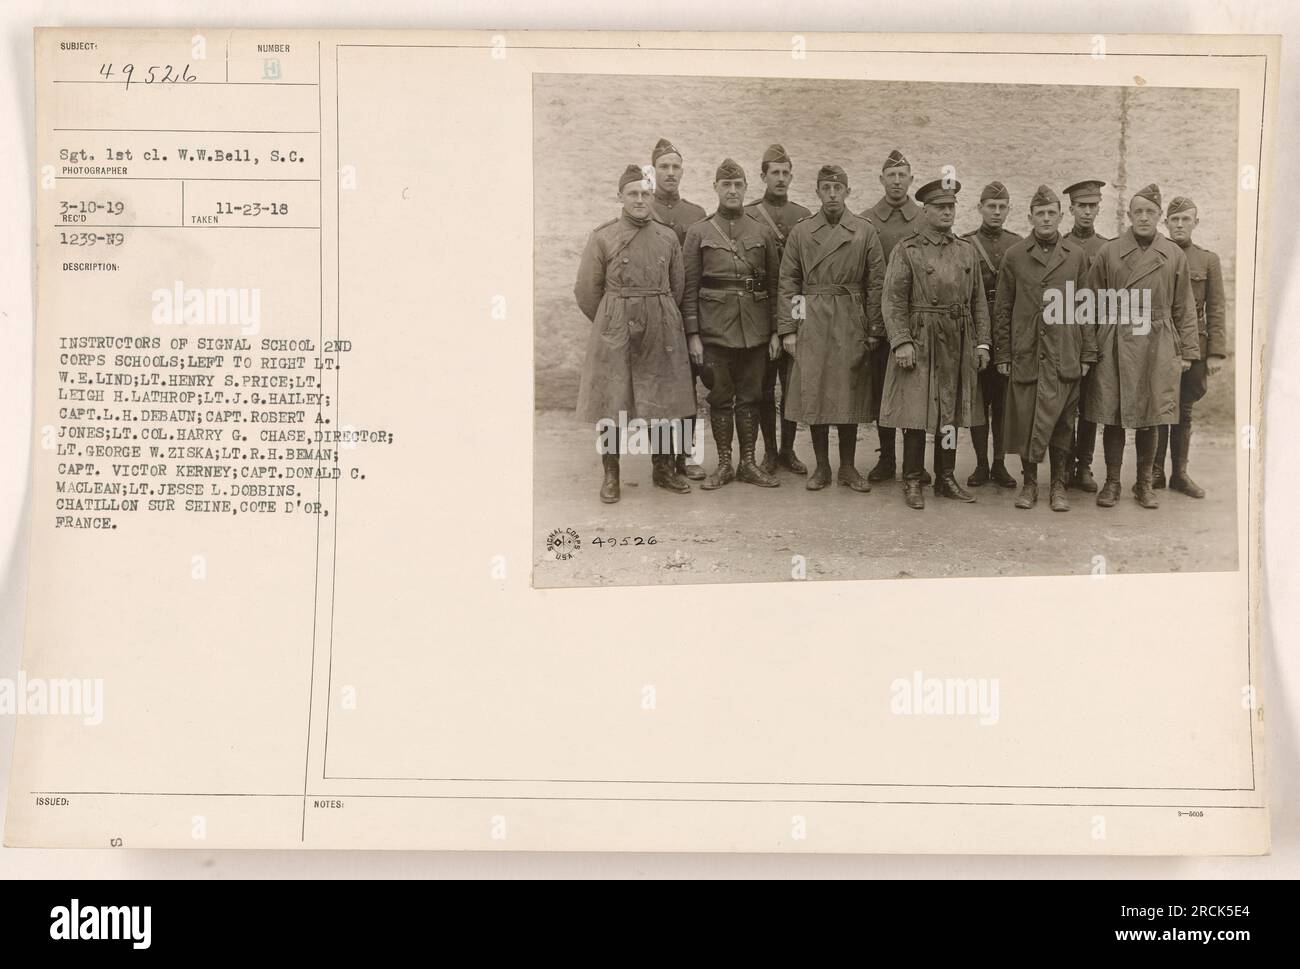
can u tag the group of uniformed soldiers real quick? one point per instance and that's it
(887, 316)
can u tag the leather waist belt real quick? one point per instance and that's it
(636, 291)
(954, 310)
(828, 289)
(735, 284)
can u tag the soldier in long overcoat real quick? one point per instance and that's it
(828, 315)
(1042, 345)
(679, 215)
(1144, 347)
(938, 325)
(1206, 272)
(630, 284)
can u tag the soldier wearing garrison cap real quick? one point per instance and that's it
(669, 207)
(629, 285)
(894, 219)
(829, 319)
(991, 241)
(1043, 345)
(1142, 350)
(937, 319)
(1085, 203)
(779, 213)
(1206, 273)
(679, 215)
(732, 267)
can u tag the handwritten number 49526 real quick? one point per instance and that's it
(155, 74)
(625, 540)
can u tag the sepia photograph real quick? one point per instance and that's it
(383, 381)
(837, 329)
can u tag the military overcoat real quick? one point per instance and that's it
(934, 299)
(831, 277)
(630, 284)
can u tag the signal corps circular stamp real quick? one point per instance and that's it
(563, 544)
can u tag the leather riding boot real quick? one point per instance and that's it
(1112, 439)
(1109, 493)
(848, 474)
(1028, 496)
(913, 466)
(749, 471)
(688, 468)
(945, 484)
(664, 474)
(786, 456)
(1145, 439)
(999, 473)
(767, 425)
(821, 476)
(1158, 470)
(1084, 446)
(997, 429)
(1142, 490)
(1060, 460)
(887, 466)
(609, 488)
(1180, 437)
(979, 436)
(721, 423)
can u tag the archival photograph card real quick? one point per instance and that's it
(647, 442)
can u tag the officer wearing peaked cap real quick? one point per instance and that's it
(894, 219)
(1085, 203)
(991, 241)
(731, 274)
(938, 324)
(679, 215)
(780, 214)
(629, 284)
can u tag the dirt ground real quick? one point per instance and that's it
(742, 533)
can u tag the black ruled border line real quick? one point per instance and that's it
(195, 131)
(155, 84)
(663, 800)
(782, 50)
(320, 338)
(338, 383)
